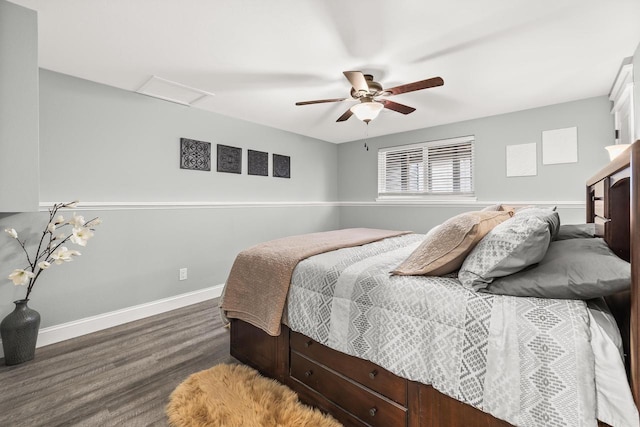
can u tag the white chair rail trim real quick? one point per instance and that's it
(473, 204)
(155, 205)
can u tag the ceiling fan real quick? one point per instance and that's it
(365, 90)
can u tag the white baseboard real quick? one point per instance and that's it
(76, 328)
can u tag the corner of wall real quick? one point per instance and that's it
(636, 91)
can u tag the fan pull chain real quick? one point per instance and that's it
(366, 135)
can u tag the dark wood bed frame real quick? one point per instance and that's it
(359, 393)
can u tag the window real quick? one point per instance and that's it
(435, 168)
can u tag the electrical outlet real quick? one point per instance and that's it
(183, 274)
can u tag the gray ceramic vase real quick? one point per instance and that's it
(19, 331)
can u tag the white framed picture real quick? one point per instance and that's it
(560, 146)
(522, 160)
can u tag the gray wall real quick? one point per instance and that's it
(115, 149)
(559, 183)
(122, 146)
(636, 91)
(18, 108)
(112, 147)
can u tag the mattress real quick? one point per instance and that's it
(528, 361)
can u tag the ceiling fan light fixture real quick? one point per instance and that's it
(365, 90)
(367, 111)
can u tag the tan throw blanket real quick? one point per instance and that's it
(258, 283)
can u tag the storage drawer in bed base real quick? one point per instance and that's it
(362, 371)
(365, 404)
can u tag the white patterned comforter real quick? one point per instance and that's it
(525, 360)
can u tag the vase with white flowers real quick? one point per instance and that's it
(19, 330)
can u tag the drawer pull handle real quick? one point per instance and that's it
(308, 343)
(373, 411)
(308, 373)
(373, 374)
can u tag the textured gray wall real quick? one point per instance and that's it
(112, 147)
(135, 255)
(553, 183)
(122, 146)
(105, 145)
(636, 91)
(18, 108)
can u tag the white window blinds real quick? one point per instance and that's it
(430, 168)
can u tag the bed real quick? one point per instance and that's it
(340, 369)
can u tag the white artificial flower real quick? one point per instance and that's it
(94, 222)
(51, 252)
(20, 277)
(72, 252)
(81, 235)
(77, 220)
(61, 255)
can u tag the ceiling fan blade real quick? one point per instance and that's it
(410, 87)
(357, 80)
(319, 101)
(345, 116)
(400, 108)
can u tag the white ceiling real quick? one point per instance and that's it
(259, 57)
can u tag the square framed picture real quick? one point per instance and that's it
(560, 146)
(257, 163)
(281, 166)
(522, 160)
(229, 159)
(195, 155)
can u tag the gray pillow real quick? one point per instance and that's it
(510, 247)
(550, 216)
(571, 269)
(576, 231)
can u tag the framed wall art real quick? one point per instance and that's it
(195, 155)
(560, 146)
(522, 160)
(281, 166)
(257, 163)
(229, 159)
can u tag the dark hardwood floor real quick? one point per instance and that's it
(121, 376)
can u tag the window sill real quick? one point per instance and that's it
(427, 200)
